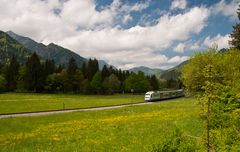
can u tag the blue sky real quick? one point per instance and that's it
(125, 33)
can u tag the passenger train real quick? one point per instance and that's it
(161, 95)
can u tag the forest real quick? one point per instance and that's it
(38, 75)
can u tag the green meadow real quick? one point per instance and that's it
(28, 102)
(135, 128)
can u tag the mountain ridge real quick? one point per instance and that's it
(10, 47)
(146, 70)
(59, 54)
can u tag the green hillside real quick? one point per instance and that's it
(173, 73)
(146, 70)
(10, 47)
(52, 51)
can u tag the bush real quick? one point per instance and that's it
(175, 141)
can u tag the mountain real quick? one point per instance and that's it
(52, 51)
(101, 63)
(173, 73)
(146, 70)
(10, 47)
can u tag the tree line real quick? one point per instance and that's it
(38, 75)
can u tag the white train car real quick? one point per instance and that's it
(161, 95)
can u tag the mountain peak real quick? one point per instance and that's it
(146, 70)
(52, 44)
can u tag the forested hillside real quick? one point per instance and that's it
(10, 47)
(59, 54)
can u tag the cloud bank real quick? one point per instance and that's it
(92, 32)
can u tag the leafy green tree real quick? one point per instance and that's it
(137, 82)
(3, 83)
(56, 82)
(96, 83)
(235, 36)
(12, 74)
(86, 87)
(77, 80)
(111, 84)
(214, 78)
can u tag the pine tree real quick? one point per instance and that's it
(34, 74)
(74, 76)
(12, 74)
(92, 68)
(235, 36)
(105, 72)
(154, 82)
(84, 69)
(49, 67)
(72, 67)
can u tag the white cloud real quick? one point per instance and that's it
(83, 14)
(221, 41)
(96, 34)
(178, 59)
(194, 46)
(227, 9)
(180, 48)
(178, 4)
(127, 18)
(135, 7)
(187, 46)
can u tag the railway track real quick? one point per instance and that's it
(51, 112)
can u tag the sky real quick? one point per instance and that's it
(125, 33)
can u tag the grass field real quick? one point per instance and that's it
(137, 128)
(27, 102)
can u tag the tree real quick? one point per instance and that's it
(34, 74)
(72, 67)
(74, 76)
(137, 82)
(105, 72)
(1, 67)
(92, 68)
(56, 82)
(77, 80)
(2, 83)
(235, 36)
(154, 83)
(21, 81)
(96, 83)
(12, 74)
(49, 67)
(86, 87)
(111, 84)
(84, 69)
(214, 78)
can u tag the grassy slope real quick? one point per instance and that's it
(13, 102)
(135, 128)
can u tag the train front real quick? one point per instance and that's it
(148, 96)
